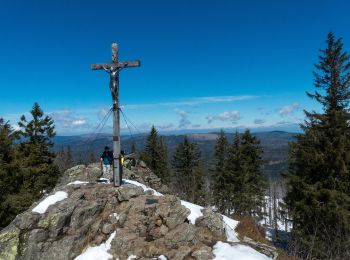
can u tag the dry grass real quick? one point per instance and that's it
(283, 256)
(249, 228)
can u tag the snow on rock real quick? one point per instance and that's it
(162, 257)
(195, 211)
(50, 200)
(98, 252)
(225, 251)
(78, 183)
(144, 187)
(103, 181)
(114, 215)
(132, 257)
(229, 226)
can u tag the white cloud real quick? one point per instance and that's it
(184, 121)
(233, 116)
(288, 109)
(192, 101)
(79, 122)
(65, 119)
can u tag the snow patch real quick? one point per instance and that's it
(162, 257)
(98, 252)
(132, 257)
(50, 200)
(229, 226)
(195, 211)
(114, 215)
(77, 183)
(144, 187)
(224, 251)
(103, 181)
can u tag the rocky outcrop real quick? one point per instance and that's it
(136, 222)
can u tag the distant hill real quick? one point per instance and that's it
(274, 143)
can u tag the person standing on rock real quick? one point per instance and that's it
(106, 161)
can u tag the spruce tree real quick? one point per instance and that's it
(35, 159)
(244, 182)
(155, 156)
(7, 171)
(254, 182)
(219, 187)
(188, 176)
(319, 177)
(233, 178)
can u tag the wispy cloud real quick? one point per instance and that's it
(288, 109)
(66, 119)
(192, 101)
(259, 121)
(184, 121)
(165, 126)
(232, 116)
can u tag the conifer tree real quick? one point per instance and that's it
(188, 177)
(219, 187)
(35, 159)
(319, 178)
(233, 178)
(155, 156)
(244, 182)
(7, 171)
(254, 182)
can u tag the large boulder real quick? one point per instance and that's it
(146, 225)
(213, 221)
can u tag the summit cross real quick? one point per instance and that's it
(113, 70)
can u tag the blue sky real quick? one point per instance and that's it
(205, 64)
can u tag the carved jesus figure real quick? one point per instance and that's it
(113, 81)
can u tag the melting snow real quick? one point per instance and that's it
(50, 200)
(229, 226)
(144, 187)
(77, 183)
(195, 211)
(98, 252)
(224, 251)
(114, 215)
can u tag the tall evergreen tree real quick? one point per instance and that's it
(243, 178)
(35, 159)
(233, 178)
(7, 171)
(254, 182)
(188, 173)
(155, 155)
(319, 178)
(219, 187)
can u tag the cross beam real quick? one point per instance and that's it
(113, 69)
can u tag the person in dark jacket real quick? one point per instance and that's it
(107, 161)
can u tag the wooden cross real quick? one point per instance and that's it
(113, 69)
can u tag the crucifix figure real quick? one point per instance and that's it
(113, 70)
(113, 81)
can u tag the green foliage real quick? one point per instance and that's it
(155, 156)
(30, 169)
(237, 180)
(188, 172)
(246, 181)
(219, 184)
(319, 177)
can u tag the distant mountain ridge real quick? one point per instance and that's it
(274, 143)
